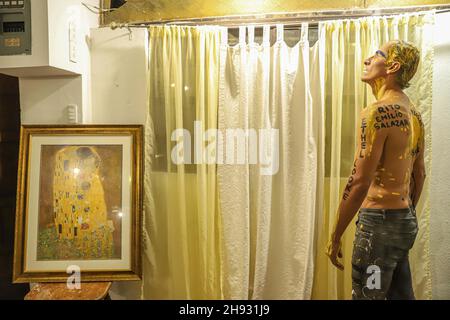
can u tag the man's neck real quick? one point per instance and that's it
(383, 90)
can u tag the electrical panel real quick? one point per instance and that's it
(15, 27)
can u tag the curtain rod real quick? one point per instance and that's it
(288, 19)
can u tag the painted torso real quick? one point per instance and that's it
(389, 188)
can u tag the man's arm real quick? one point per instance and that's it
(370, 145)
(369, 151)
(418, 171)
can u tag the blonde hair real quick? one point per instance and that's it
(408, 56)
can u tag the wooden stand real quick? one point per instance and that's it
(59, 291)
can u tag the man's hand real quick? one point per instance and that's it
(333, 252)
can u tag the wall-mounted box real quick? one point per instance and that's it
(15, 27)
(57, 36)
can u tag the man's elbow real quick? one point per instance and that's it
(362, 185)
(423, 174)
(420, 174)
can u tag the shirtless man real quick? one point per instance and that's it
(386, 180)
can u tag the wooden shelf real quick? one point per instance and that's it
(59, 291)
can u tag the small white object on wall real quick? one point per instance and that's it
(73, 40)
(72, 114)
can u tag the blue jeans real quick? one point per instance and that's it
(380, 266)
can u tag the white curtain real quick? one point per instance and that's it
(268, 204)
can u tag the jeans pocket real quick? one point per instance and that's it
(362, 247)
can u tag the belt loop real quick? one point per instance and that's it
(384, 213)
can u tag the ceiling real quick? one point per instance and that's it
(156, 10)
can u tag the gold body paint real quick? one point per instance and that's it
(371, 132)
(377, 85)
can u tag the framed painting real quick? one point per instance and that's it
(79, 203)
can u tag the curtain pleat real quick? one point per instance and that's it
(268, 218)
(181, 231)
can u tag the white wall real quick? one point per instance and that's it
(60, 13)
(44, 100)
(119, 81)
(440, 173)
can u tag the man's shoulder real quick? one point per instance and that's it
(383, 116)
(377, 108)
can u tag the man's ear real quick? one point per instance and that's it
(394, 67)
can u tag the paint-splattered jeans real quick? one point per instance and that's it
(380, 263)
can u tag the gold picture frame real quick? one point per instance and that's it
(79, 203)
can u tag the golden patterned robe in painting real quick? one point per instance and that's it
(80, 212)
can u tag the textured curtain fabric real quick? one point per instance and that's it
(347, 44)
(268, 203)
(257, 227)
(182, 226)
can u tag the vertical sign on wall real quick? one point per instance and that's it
(73, 39)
